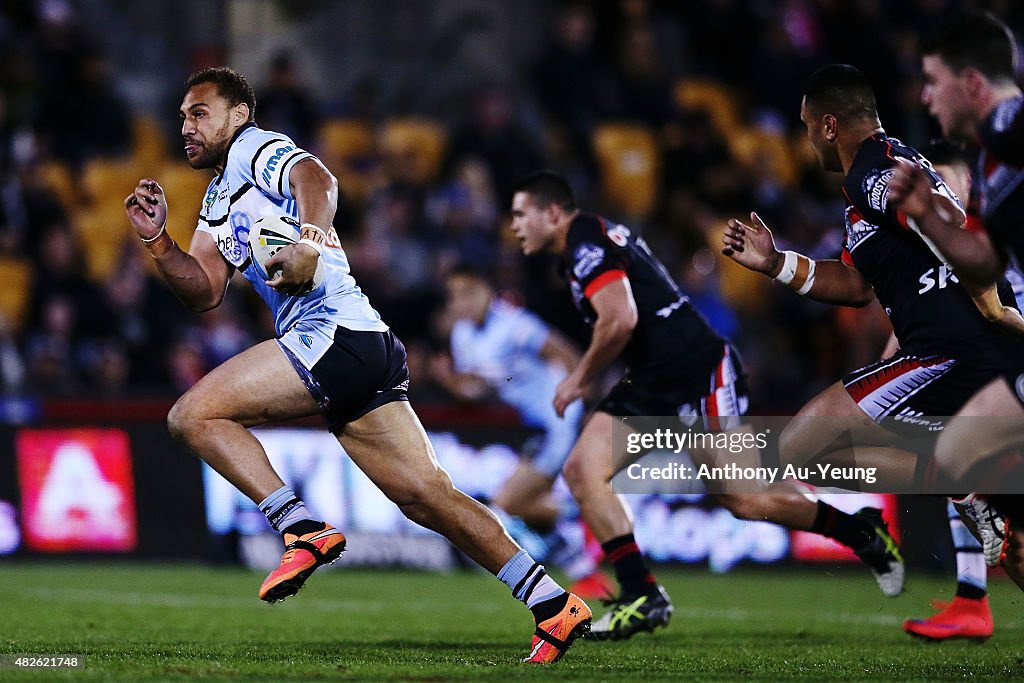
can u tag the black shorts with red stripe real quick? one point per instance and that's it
(915, 396)
(716, 402)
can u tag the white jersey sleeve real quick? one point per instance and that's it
(529, 333)
(265, 159)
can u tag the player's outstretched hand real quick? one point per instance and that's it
(752, 246)
(909, 188)
(147, 208)
(568, 392)
(292, 269)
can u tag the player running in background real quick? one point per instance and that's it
(677, 366)
(499, 349)
(333, 356)
(948, 349)
(970, 88)
(968, 615)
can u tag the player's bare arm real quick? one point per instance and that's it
(200, 277)
(316, 195)
(987, 301)
(971, 253)
(616, 318)
(464, 385)
(829, 281)
(559, 350)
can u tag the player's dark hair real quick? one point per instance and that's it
(547, 188)
(944, 152)
(231, 85)
(978, 40)
(841, 90)
(473, 271)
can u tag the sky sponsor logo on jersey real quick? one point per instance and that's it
(937, 278)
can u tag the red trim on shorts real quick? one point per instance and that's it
(866, 385)
(847, 258)
(603, 280)
(711, 408)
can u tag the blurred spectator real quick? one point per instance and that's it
(466, 212)
(62, 274)
(51, 349)
(100, 122)
(571, 81)
(286, 105)
(493, 134)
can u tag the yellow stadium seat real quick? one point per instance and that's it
(57, 176)
(109, 181)
(17, 275)
(412, 149)
(754, 147)
(149, 146)
(185, 189)
(712, 98)
(630, 166)
(348, 148)
(102, 229)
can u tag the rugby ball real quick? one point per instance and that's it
(270, 235)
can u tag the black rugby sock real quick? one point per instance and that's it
(849, 530)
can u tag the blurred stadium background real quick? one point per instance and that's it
(668, 116)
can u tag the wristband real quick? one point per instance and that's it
(313, 236)
(159, 249)
(788, 271)
(810, 279)
(154, 238)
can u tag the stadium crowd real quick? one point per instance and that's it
(671, 117)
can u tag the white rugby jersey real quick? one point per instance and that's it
(505, 352)
(255, 184)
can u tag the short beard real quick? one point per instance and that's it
(214, 154)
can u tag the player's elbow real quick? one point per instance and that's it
(620, 327)
(863, 297)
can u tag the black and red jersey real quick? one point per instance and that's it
(672, 342)
(929, 310)
(997, 189)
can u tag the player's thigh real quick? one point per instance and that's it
(391, 447)
(992, 421)
(257, 386)
(830, 421)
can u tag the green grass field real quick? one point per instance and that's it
(187, 622)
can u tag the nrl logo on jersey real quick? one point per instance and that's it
(586, 258)
(211, 197)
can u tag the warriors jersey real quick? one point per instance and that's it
(255, 184)
(929, 310)
(997, 191)
(671, 343)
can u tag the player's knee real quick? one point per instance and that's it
(421, 500)
(577, 475)
(182, 419)
(742, 507)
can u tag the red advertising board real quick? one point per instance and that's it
(76, 490)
